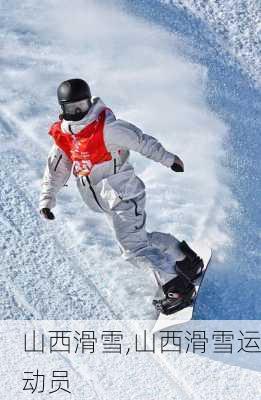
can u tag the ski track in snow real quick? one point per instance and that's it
(45, 268)
(56, 271)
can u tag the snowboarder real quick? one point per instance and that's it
(92, 143)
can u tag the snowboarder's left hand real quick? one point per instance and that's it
(178, 165)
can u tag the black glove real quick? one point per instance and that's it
(178, 165)
(47, 213)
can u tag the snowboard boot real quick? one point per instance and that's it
(179, 293)
(191, 267)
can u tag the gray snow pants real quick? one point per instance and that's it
(156, 250)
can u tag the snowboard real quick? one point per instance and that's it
(185, 315)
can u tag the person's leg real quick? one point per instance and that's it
(158, 251)
(168, 243)
(128, 220)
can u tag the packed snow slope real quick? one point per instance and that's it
(168, 72)
(168, 68)
(236, 25)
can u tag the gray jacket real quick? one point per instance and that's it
(111, 181)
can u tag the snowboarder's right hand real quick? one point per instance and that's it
(178, 165)
(47, 213)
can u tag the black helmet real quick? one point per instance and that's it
(74, 96)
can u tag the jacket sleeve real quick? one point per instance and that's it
(123, 134)
(56, 174)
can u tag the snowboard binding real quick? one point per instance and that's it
(192, 266)
(179, 293)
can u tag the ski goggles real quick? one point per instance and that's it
(81, 106)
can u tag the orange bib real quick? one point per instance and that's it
(85, 148)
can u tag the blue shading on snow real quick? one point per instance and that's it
(232, 286)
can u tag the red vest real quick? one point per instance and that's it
(85, 148)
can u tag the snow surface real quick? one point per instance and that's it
(238, 27)
(156, 66)
(40, 52)
(233, 97)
